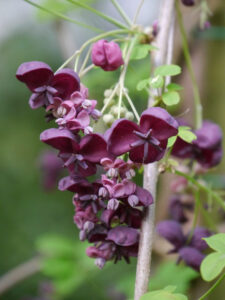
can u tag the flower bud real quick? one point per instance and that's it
(108, 93)
(100, 262)
(112, 172)
(129, 116)
(88, 226)
(113, 204)
(82, 235)
(133, 200)
(103, 192)
(107, 55)
(108, 119)
(87, 103)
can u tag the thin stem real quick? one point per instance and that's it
(151, 170)
(132, 106)
(19, 273)
(97, 12)
(85, 71)
(195, 218)
(64, 17)
(213, 287)
(85, 60)
(197, 99)
(138, 11)
(110, 98)
(123, 73)
(217, 198)
(121, 12)
(92, 40)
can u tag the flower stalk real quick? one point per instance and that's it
(151, 170)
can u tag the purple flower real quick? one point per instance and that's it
(190, 250)
(107, 55)
(45, 85)
(206, 149)
(197, 241)
(192, 257)
(145, 143)
(171, 231)
(77, 155)
(188, 2)
(123, 236)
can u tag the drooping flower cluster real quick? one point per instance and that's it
(108, 210)
(189, 246)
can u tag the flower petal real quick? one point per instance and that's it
(144, 196)
(75, 185)
(154, 154)
(171, 231)
(192, 257)
(66, 81)
(34, 74)
(121, 136)
(93, 147)
(123, 236)
(61, 139)
(163, 125)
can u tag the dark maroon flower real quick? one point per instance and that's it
(192, 257)
(77, 155)
(107, 55)
(145, 143)
(44, 84)
(197, 241)
(188, 2)
(206, 149)
(171, 231)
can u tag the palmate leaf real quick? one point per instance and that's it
(212, 265)
(216, 242)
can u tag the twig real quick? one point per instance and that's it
(151, 170)
(19, 273)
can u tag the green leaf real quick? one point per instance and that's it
(216, 242)
(170, 274)
(212, 265)
(185, 133)
(171, 98)
(157, 82)
(141, 51)
(142, 84)
(168, 70)
(174, 87)
(163, 295)
(171, 141)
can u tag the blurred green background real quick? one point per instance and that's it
(27, 211)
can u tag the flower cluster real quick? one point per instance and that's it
(108, 208)
(206, 149)
(190, 246)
